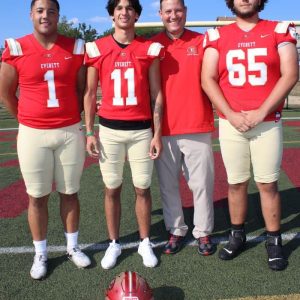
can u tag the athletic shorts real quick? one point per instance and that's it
(261, 146)
(118, 145)
(51, 155)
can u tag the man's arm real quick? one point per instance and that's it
(210, 84)
(81, 80)
(8, 88)
(289, 76)
(90, 98)
(157, 107)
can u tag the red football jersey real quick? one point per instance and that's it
(123, 75)
(187, 109)
(249, 64)
(47, 80)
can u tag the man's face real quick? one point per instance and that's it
(173, 15)
(124, 15)
(246, 8)
(45, 16)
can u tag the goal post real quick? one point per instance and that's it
(196, 24)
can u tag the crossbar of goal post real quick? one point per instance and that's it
(197, 24)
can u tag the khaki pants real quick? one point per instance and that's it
(192, 154)
(261, 146)
(48, 155)
(116, 146)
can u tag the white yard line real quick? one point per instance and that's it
(92, 247)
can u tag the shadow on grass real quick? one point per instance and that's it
(168, 293)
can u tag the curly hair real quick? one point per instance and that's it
(112, 4)
(230, 5)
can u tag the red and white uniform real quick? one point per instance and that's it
(47, 80)
(187, 110)
(123, 75)
(249, 64)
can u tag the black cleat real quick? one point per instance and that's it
(237, 241)
(276, 260)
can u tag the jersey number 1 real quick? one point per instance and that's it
(52, 101)
(116, 77)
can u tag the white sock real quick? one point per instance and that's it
(72, 240)
(40, 247)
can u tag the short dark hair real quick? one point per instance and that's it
(182, 2)
(54, 1)
(112, 4)
(230, 5)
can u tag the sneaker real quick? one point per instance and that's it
(206, 247)
(276, 260)
(111, 254)
(78, 258)
(39, 267)
(237, 241)
(145, 250)
(174, 244)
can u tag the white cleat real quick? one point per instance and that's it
(145, 250)
(39, 267)
(111, 254)
(79, 259)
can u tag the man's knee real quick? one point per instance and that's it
(270, 188)
(38, 203)
(142, 182)
(143, 193)
(112, 182)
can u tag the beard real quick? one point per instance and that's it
(248, 14)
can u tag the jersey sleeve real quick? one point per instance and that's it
(156, 50)
(211, 38)
(78, 47)
(12, 51)
(285, 32)
(92, 54)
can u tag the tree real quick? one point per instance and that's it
(82, 31)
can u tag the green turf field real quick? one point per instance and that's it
(185, 275)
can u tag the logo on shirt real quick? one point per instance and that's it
(264, 35)
(48, 55)
(192, 50)
(68, 57)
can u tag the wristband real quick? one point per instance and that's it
(89, 133)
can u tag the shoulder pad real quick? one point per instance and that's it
(154, 49)
(213, 34)
(78, 47)
(282, 27)
(92, 50)
(14, 47)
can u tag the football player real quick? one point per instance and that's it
(186, 132)
(128, 69)
(48, 69)
(248, 70)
